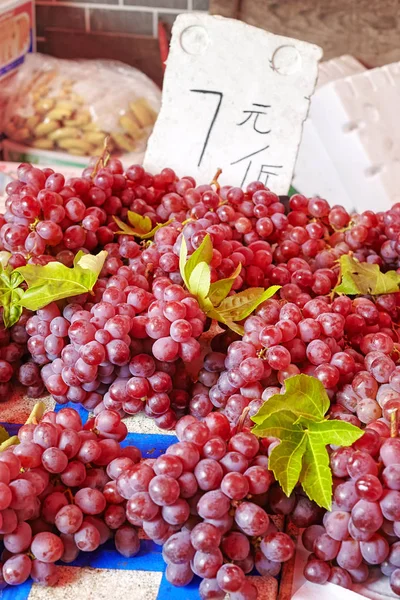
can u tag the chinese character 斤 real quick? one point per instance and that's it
(253, 116)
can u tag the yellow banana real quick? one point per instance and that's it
(94, 137)
(123, 142)
(44, 105)
(31, 122)
(43, 144)
(46, 127)
(75, 144)
(143, 113)
(129, 126)
(64, 132)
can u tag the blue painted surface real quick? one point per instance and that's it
(106, 557)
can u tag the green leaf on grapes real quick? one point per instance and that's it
(316, 475)
(296, 418)
(4, 258)
(220, 289)
(142, 227)
(286, 459)
(10, 295)
(339, 433)
(235, 327)
(239, 306)
(213, 298)
(55, 281)
(203, 254)
(304, 395)
(199, 281)
(142, 224)
(182, 261)
(365, 278)
(278, 425)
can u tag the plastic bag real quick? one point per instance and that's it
(73, 106)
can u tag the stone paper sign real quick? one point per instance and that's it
(235, 97)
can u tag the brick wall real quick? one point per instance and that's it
(139, 17)
(124, 30)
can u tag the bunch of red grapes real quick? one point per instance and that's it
(127, 348)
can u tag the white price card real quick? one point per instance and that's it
(234, 97)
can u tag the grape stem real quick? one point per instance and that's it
(215, 180)
(68, 494)
(394, 428)
(103, 158)
(242, 419)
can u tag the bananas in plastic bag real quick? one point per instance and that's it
(72, 106)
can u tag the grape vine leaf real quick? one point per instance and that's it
(296, 418)
(365, 278)
(55, 281)
(220, 289)
(239, 306)
(199, 281)
(141, 227)
(139, 222)
(4, 258)
(203, 254)
(10, 295)
(213, 297)
(316, 475)
(304, 396)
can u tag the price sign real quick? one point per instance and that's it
(234, 97)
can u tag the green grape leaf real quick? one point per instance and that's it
(140, 227)
(55, 281)
(286, 460)
(4, 258)
(332, 431)
(365, 278)
(10, 295)
(199, 281)
(296, 418)
(202, 254)
(316, 476)
(304, 395)
(279, 424)
(182, 261)
(239, 306)
(220, 289)
(140, 223)
(235, 327)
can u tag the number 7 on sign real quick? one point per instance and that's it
(220, 96)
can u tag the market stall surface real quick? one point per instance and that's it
(105, 574)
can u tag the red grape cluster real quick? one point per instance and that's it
(58, 495)
(203, 501)
(362, 529)
(119, 351)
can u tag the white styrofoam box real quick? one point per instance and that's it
(337, 68)
(355, 120)
(315, 173)
(234, 97)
